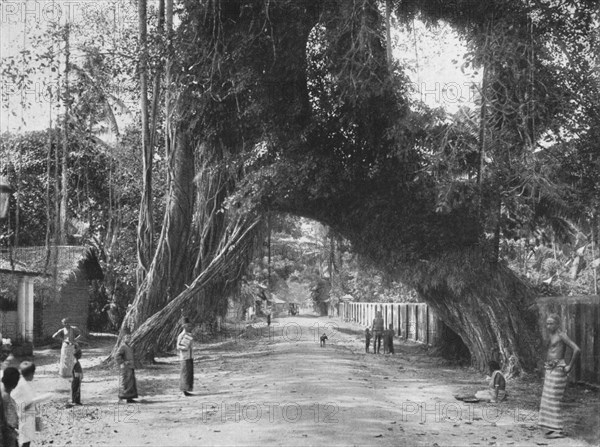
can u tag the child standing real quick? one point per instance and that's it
(10, 379)
(323, 338)
(26, 399)
(388, 340)
(368, 337)
(77, 378)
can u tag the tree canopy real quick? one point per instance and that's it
(297, 107)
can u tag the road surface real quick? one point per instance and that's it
(277, 386)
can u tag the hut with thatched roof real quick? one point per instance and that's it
(41, 285)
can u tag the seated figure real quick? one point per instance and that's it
(496, 392)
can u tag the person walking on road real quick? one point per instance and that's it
(377, 329)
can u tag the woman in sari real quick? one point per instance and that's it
(70, 334)
(126, 361)
(185, 348)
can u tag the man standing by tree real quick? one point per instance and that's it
(555, 380)
(377, 329)
(126, 361)
(185, 349)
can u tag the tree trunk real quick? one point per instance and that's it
(389, 219)
(162, 324)
(64, 191)
(160, 29)
(485, 304)
(169, 270)
(168, 79)
(145, 222)
(388, 33)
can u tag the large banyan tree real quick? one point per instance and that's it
(295, 106)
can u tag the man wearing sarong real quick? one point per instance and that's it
(185, 342)
(377, 329)
(70, 334)
(555, 380)
(126, 362)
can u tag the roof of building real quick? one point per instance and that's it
(276, 300)
(17, 268)
(54, 261)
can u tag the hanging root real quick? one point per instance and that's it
(163, 321)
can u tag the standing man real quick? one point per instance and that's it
(377, 329)
(555, 380)
(70, 334)
(186, 356)
(126, 361)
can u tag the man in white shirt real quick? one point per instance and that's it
(185, 347)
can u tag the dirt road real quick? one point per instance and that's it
(277, 386)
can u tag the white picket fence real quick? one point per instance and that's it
(411, 321)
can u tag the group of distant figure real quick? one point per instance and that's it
(378, 333)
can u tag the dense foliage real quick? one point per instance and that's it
(294, 107)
